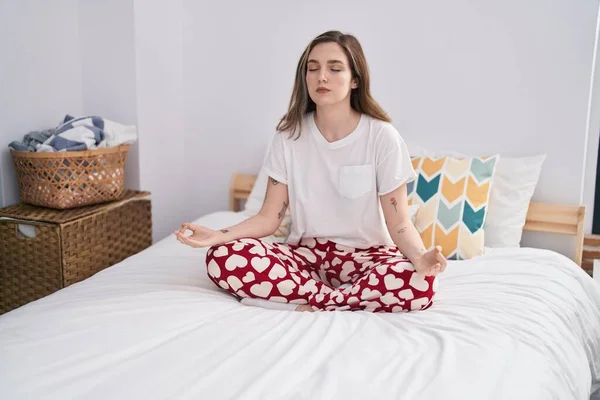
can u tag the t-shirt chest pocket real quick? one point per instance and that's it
(355, 180)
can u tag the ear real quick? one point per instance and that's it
(354, 83)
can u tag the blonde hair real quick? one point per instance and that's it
(360, 98)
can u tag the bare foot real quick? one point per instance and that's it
(304, 307)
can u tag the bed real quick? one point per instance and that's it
(519, 323)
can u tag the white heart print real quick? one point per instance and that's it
(337, 297)
(418, 304)
(406, 294)
(373, 281)
(368, 294)
(213, 269)
(418, 282)
(221, 252)
(382, 269)
(392, 283)
(223, 284)
(238, 246)
(261, 290)
(285, 250)
(249, 277)
(235, 261)
(296, 278)
(258, 250)
(320, 253)
(402, 266)
(306, 253)
(234, 282)
(336, 261)
(260, 263)
(286, 287)
(370, 305)
(388, 299)
(308, 287)
(277, 271)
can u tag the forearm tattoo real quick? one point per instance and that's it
(403, 229)
(281, 213)
(224, 230)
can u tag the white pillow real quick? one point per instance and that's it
(255, 201)
(513, 185)
(512, 188)
(257, 195)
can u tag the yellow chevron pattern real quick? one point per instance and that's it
(453, 195)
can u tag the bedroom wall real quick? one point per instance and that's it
(488, 77)
(59, 58)
(207, 82)
(167, 164)
(107, 51)
(40, 73)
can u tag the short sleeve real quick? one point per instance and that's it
(394, 166)
(275, 165)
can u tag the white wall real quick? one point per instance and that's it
(208, 81)
(506, 77)
(40, 73)
(60, 57)
(107, 44)
(164, 164)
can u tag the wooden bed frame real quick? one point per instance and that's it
(541, 217)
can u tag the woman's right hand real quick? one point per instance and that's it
(200, 237)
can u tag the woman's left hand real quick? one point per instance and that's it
(431, 263)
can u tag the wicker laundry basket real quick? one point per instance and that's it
(70, 179)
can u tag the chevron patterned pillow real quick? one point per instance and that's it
(452, 194)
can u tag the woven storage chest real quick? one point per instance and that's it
(69, 245)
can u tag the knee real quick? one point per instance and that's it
(425, 288)
(221, 258)
(232, 259)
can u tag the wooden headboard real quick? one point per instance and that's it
(541, 217)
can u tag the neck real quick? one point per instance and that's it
(336, 121)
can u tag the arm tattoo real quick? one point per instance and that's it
(281, 213)
(224, 230)
(394, 203)
(274, 181)
(403, 229)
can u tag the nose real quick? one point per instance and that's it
(322, 76)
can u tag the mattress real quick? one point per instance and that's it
(514, 324)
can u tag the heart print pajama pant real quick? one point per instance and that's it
(380, 278)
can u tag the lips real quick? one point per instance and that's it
(322, 90)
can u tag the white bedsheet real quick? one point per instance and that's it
(516, 324)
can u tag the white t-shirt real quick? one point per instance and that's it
(334, 188)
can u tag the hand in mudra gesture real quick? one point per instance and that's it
(200, 236)
(431, 262)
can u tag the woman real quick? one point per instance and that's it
(342, 168)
